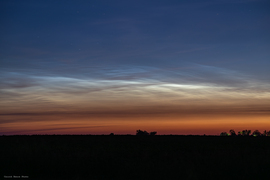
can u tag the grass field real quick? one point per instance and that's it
(135, 157)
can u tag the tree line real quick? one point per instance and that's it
(231, 133)
(246, 133)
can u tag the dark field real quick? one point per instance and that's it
(135, 157)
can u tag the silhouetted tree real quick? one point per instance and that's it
(266, 133)
(111, 134)
(223, 134)
(256, 133)
(140, 132)
(239, 133)
(244, 132)
(153, 133)
(232, 132)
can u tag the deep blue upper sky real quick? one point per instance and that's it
(225, 33)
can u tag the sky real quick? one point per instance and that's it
(103, 66)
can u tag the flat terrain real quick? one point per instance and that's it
(135, 157)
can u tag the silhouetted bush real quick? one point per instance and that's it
(141, 133)
(153, 133)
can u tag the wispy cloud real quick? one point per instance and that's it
(112, 87)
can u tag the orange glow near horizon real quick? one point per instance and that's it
(163, 124)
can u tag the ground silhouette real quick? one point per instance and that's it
(135, 157)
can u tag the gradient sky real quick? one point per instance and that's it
(102, 66)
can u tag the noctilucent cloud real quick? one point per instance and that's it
(102, 66)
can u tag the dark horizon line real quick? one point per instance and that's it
(123, 135)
